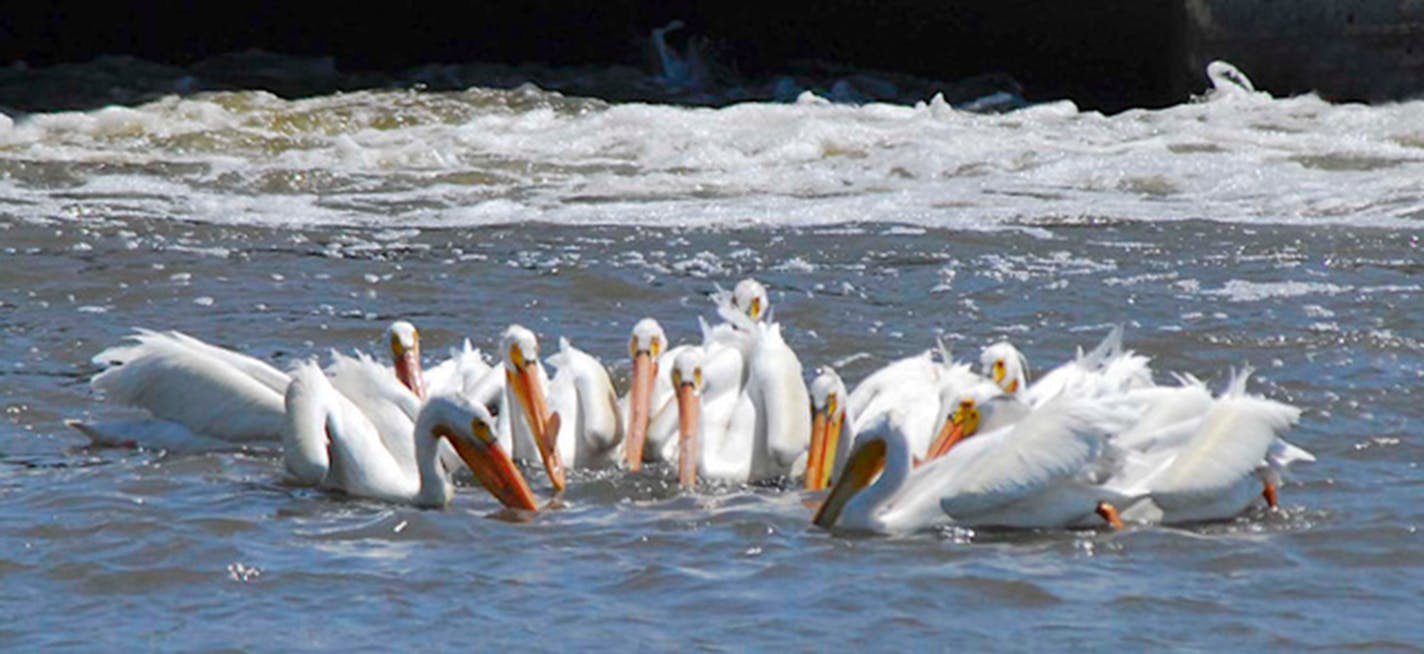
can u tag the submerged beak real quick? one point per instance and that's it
(408, 370)
(821, 457)
(689, 405)
(525, 383)
(640, 398)
(493, 468)
(864, 465)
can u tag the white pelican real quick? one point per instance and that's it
(914, 390)
(466, 373)
(750, 298)
(1006, 365)
(742, 403)
(202, 394)
(524, 417)
(650, 410)
(331, 443)
(1200, 459)
(715, 418)
(1107, 369)
(205, 397)
(1042, 471)
(590, 432)
(832, 434)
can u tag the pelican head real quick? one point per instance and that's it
(1006, 365)
(687, 384)
(405, 352)
(469, 429)
(750, 298)
(980, 410)
(645, 346)
(828, 412)
(520, 350)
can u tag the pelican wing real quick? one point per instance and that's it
(204, 388)
(1056, 442)
(777, 389)
(460, 373)
(1232, 441)
(374, 390)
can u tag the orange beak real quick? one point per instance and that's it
(493, 468)
(640, 398)
(821, 457)
(408, 370)
(864, 465)
(689, 405)
(526, 387)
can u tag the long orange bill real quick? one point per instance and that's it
(816, 453)
(688, 408)
(864, 465)
(495, 471)
(409, 373)
(640, 398)
(536, 414)
(821, 458)
(951, 433)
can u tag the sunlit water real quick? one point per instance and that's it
(1280, 233)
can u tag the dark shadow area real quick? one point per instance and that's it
(1102, 54)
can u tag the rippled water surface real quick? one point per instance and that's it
(1283, 233)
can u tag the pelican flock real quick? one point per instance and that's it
(924, 441)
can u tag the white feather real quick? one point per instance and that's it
(211, 391)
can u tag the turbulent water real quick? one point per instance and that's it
(1283, 233)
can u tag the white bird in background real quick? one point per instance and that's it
(1042, 471)
(467, 373)
(329, 442)
(749, 297)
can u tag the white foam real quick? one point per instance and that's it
(1240, 290)
(399, 161)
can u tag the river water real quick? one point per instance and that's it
(1283, 233)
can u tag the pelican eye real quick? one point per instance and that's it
(966, 407)
(756, 308)
(516, 355)
(831, 405)
(482, 431)
(657, 347)
(633, 346)
(676, 378)
(396, 344)
(697, 377)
